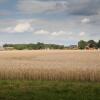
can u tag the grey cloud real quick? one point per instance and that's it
(84, 8)
(31, 6)
(72, 7)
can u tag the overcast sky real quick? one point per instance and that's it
(49, 21)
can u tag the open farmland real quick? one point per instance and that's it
(50, 65)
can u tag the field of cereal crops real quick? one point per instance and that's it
(50, 65)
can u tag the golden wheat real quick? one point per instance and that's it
(50, 65)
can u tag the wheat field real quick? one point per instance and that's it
(50, 65)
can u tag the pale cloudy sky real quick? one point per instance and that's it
(49, 21)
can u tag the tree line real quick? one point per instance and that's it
(81, 45)
(88, 44)
(36, 46)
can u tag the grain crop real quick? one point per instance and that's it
(78, 65)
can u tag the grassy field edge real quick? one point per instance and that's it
(49, 90)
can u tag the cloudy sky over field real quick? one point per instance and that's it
(49, 21)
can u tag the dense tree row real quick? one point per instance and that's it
(81, 45)
(33, 46)
(88, 44)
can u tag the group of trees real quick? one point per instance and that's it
(81, 45)
(33, 46)
(88, 44)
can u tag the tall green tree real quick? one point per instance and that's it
(98, 44)
(82, 44)
(92, 44)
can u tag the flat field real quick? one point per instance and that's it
(50, 65)
(50, 75)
